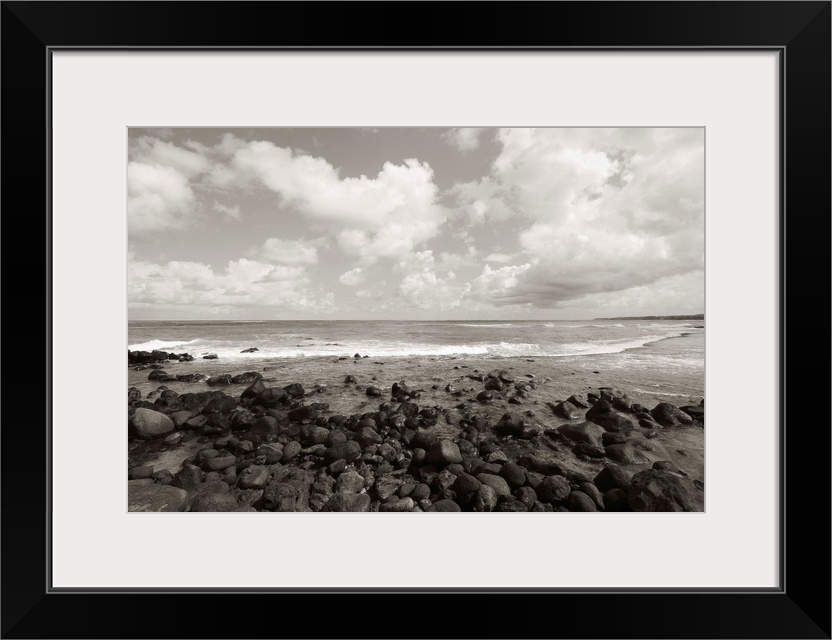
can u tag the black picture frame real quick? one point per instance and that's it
(799, 31)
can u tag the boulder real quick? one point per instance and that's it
(625, 454)
(586, 432)
(526, 495)
(495, 482)
(485, 499)
(593, 492)
(147, 423)
(444, 505)
(402, 505)
(513, 474)
(697, 412)
(347, 451)
(579, 501)
(553, 489)
(566, 410)
(254, 477)
(615, 500)
(290, 450)
(493, 384)
(214, 502)
(657, 490)
(612, 477)
(215, 380)
(349, 482)
(669, 416)
(347, 502)
(444, 452)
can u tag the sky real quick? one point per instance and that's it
(414, 223)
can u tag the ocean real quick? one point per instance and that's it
(664, 357)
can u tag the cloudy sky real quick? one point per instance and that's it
(415, 223)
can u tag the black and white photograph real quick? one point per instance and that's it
(416, 319)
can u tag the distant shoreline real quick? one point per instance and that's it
(696, 316)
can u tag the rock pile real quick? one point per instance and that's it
(276, 449)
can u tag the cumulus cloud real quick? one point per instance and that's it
(364, 293)
(352, 278)
(159, 185)
(291, 252)
(382, 216)
(243, 283)
(464, 139)
(426, 285)
(498, 257)
(601, 209)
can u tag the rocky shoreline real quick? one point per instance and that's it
(472, 440)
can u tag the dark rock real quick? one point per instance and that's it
(493, 384)
(246, 378)
(137, 473)
(387, 485)
(254, 477)
(594, 493)
(538, 465)
(420, 492)
(586, 432)
(349, 482)
(578, 401)
(591, 451)
(526, 495)
(495, 482)
(271, 397)
(210, 356)
(303, 414)
(485, 499)
(657, 490)
(613, 422)
(219, 463)
(424, 440)
(222, 404)
(566, 410)
(214, 502)
(156, 497)
(254, 390)
(444, 505)
(443, 453)
(401, 505)
(167, 404)
(669, 416)
(625, 454)
(295, 390)
(366, 437)
(465, 486)
(553, 489)
(223, 379)
(697, 412)
(579, 501)
(250, 350)
(350, 380)
(347, 502)
(612, 477)
(609, 437)
(160, 375)
(485, 396)
(290, 450)
(348, 451)
(666, 465)
(514, 475)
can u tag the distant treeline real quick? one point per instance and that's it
(695, 316)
